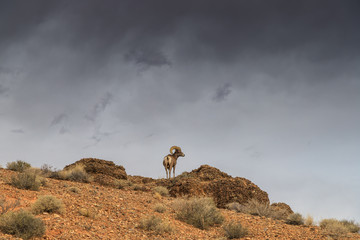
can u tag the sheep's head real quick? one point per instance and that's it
(177, 150)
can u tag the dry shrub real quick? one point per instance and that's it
(138, 187)
(121, 183)
(49, 204)
(351, 226)
(334, 227)
(26, 180)
(18, 166)
(74, 189)
(309, 221)
(87, 212)
(7, 206)
(22, 224)
(295, 219)
(155, 224)
(199, 212)
(163, 191)
(235, 230)
(159, 208)
(256, 208)
(75, 174)
(157, 195)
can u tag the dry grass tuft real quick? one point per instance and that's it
(235, 230)
(87, 212)
(199, 212)
(49, 204)
(295, 219)
(309, 221)
(338, 229)
(160, 208)
(163, 191)
(26, 180)
(22, 224)
(76, 174)
(155, 224)
(18, 166)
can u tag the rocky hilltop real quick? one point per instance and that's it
(113, 205)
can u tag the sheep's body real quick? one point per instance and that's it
(171, 159)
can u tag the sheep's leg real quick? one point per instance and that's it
(166, 170)
(174, 171)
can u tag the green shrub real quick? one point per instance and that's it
(160, 208)
(22, 224)
(26, 180)
(295, 219)
(49, 204)
(235, 230)
(163, 191)
(199, 212)
(154, 223)
(18, 166)
(76, 174)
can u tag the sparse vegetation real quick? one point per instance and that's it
(22, 224)
(121, 183)
(156, 224)
(336, 228)
(235, 230)
(76, 174)
(309, 221)
(257, 208)
(163, 191)
(49, 204)
(138, 187)
(18, 166)
(6, 206)
(351, 226)
(160, 208)
(74, 189)
(87, 212)
(27, 181)
(199, 212)
(295, 219)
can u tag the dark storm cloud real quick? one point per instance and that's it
(222, 92)
(321, 30)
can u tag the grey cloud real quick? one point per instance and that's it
(147, 58)
(58, 119)
(99, 107)
(3, 89)
(18, 131)
(222, 92)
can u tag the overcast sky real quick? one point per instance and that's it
(266, 90)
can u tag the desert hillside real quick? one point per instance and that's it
(109, 204)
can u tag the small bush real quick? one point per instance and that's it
(22, 224)
(333, 227)
(18, 166)
(309, 221)
(74, 189)
(87, 212)
(7, 206)
(26, 180)
(49, 204)
(351, 226)
(295, 219)
(256, 208)
(162, 190)
(199, 212)
(154, 223)
(159, 208)
(76, 174)
(121, 183)
(235, 230)
(138, 187)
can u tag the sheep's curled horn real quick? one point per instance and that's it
(175, 147)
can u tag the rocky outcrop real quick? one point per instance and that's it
(210, 181)
(98, 167)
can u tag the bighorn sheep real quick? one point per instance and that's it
(170, 160)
